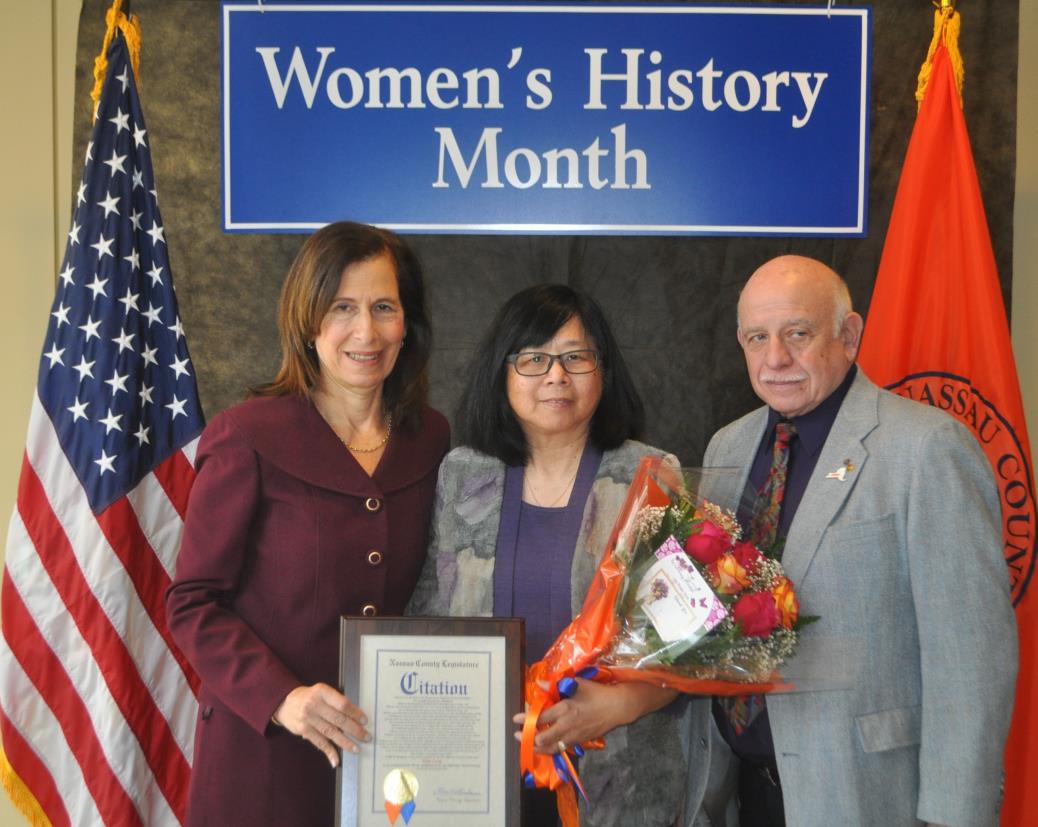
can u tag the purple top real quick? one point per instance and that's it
(535, 554)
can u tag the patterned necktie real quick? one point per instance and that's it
(742, 709)
(764, 530)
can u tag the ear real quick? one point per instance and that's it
(850, 334)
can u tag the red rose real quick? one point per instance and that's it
(756, 614)
(747, 555)
(708, 543)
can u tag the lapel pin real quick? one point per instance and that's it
(841, 472)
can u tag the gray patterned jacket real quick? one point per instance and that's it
(640, 776)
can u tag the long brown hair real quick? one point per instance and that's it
(307, 294)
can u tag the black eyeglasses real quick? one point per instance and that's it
(533, 363)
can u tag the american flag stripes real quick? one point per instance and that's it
(97, 705)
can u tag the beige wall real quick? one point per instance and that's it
(1025, 220)
(35, 204)
(37, 63)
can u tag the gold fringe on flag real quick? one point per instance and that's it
(131, 29)
(20, 795)
(946, 25)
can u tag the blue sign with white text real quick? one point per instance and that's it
(671, 119)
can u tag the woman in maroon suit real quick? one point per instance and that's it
(312, 500)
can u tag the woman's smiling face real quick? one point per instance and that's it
(556, 403)
(363, 330)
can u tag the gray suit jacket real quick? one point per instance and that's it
(639, 778)
(903, 562)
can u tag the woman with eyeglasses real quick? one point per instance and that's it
(523, 510)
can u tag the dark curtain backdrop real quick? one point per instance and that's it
(671, 301)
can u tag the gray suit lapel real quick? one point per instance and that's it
(825, 496)
(735, 446)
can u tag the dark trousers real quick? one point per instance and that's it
(760, 795)
(539, 808)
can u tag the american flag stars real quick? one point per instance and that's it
(125, 341)
(116, 163)
(78, 410)
(116, 377)
(110, 204)
(54, 355)
(121, 120)
(97, 286)
(97, 701)
(61, 314)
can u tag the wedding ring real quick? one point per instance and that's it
(561, 745)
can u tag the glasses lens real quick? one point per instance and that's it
(532, 364)
(579, 361)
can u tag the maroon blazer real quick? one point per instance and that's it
(285, 532)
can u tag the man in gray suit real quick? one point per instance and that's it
(892, 534)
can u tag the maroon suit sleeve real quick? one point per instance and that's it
(233, 662)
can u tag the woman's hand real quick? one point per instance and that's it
(593, 710)
(324, 717)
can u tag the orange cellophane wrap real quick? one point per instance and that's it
(580, 645)
(697, 686)
(584, 641)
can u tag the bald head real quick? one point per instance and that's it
(798, 332)
(791, 270)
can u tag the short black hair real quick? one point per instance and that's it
(532, 316)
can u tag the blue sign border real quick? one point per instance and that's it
(856, 228)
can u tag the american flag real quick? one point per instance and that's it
(97, 705)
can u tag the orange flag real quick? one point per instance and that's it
(937, 333)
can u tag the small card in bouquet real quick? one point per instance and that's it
(676, 598)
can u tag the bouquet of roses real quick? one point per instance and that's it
(679, 600)
(694, 600)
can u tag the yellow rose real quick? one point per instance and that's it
(728, 574)
(786, 601)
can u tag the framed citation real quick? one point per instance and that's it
(439, 694)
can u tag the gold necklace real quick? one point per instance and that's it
(373, 448)
(568, 488)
